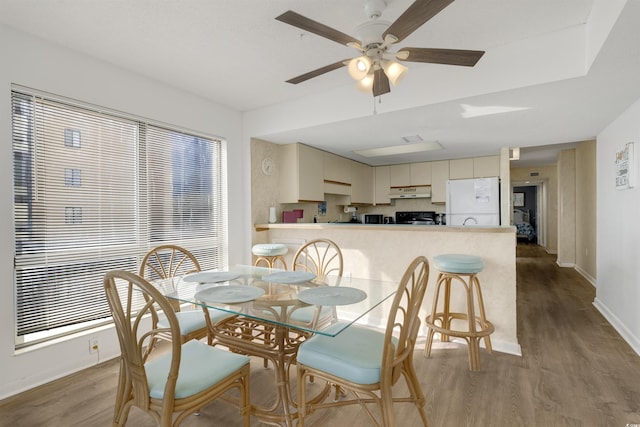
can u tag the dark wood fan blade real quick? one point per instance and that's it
(467, 58)
(380, 83)
(315, 73)
(413, 18)
(292, 18)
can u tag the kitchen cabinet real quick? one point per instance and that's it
(361, 183)
(461, 168)
(484, 167)
(420, 173)
(474, 167)
(301, 174)
(399, 175)
(336, 168)
(410, 174)
(439, 177)
(382, 184)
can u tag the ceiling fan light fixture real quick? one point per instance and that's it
(365, 84)
(395, 71)
(359, 67)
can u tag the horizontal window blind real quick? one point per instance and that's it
(94, 191)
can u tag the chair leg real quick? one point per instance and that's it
(245, 400)
(417, 396)
(433, 317)
(483, 317)
(427, 347)
(386, 408)
(121, 408)
(302, 396)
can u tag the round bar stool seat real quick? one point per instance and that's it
(270, 253)
(462, 269)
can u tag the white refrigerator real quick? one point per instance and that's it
(473, 201)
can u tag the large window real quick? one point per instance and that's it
(95, 191)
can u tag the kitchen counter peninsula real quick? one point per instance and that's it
(383, 251)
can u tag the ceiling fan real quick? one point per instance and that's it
(377, 65)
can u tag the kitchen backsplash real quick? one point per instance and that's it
(335, 209)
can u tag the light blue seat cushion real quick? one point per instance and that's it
(192, 320)
(201, 366)
(269, 249)
(458, 263)
(355, 354)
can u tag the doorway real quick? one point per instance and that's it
(529, 198)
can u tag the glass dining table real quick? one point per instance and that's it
(271, 311)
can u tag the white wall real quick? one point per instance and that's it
(618, 263)
(36, 63)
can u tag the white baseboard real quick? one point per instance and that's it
(565, 264)
(620, 327)
(586, 275)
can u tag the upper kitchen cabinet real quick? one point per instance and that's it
(475, 167)
(420, 173)
(439, 177)
(484, 167)
(399, 176)
(336, 168)
(411, 174)
(361, 183)
(301, 174)
(461, 168)
(382, 184)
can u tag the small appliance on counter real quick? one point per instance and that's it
(372, 219)
(423, 218)
(292, 216)
(354, 213)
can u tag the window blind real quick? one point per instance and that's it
(94, 191)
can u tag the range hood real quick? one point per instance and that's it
(413, 192)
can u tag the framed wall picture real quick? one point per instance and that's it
(625, 168)
(518, 200)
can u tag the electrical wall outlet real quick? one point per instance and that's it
(94, 345)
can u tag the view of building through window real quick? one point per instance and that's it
(96, 191)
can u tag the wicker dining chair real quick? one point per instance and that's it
(369, 362)
(321, 257)
(176, 383)
(163, 262)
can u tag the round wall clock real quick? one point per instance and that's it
(268, 166)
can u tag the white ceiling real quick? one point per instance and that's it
(554, 72)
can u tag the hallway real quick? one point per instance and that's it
(581, 371)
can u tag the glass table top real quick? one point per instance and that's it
(281, 297)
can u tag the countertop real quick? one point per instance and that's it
(388, 227)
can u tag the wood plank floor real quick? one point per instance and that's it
(575, 371)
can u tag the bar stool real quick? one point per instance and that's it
(455, 268)
(270, 253)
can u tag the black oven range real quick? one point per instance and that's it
(424, 218)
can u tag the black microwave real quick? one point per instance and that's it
(372, 219)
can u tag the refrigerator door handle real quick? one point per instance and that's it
(470, 220)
